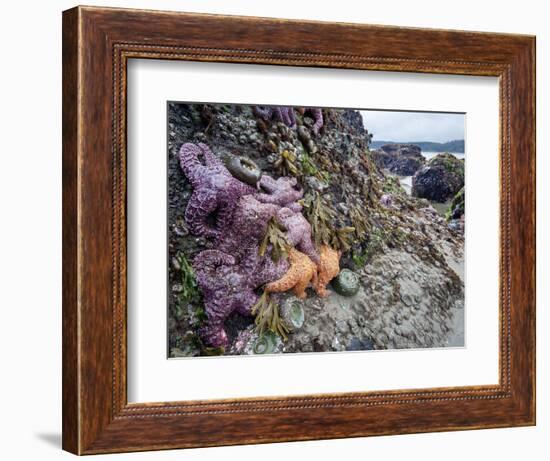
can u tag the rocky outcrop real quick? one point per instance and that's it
(440, 180)
(400, 159)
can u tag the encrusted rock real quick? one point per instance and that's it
(440, 179)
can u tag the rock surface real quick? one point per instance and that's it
(440, 179)
(400, 159)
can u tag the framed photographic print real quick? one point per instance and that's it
(285, 230)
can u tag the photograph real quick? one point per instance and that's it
(313, 229)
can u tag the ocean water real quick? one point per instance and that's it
(429, 155)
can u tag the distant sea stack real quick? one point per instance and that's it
(455, 147)
(399, 159)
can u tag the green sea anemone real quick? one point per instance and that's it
(346, 283)
(266, 343)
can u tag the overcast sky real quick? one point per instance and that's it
(413, 126)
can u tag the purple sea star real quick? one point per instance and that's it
(317, 115)
(247, 228)
(225, 290)
(228, 276)
(279, 113)
(214, 189)
(298, 232)
(284, 191)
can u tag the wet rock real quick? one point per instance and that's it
(316, 184)
(360, 344)
(456, 225)
(440, 179)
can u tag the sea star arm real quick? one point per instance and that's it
(285, 283)
(209, 158)
(201, 204)
(292, 117)
(318, 117)
(213, 332)
(285, 115)
(263, 112)
(267, 270)
(295, 207)
(189, 162)
(208, 259)
(246, 301)
(306, 246)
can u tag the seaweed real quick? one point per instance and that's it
(212, 351)
(286, 164)
(359, 221)
(449, 162)
(321, 218)
(268, 317)
(359, 259)
(276, 237)
(456, 208)
(190, 293)
(341, 238)
(308, 167)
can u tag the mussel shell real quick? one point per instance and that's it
(243, 169)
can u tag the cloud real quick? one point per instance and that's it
(413, 126)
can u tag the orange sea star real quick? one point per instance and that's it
(302, 271)
(328, 268)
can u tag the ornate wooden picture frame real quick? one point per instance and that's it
(97, 44)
